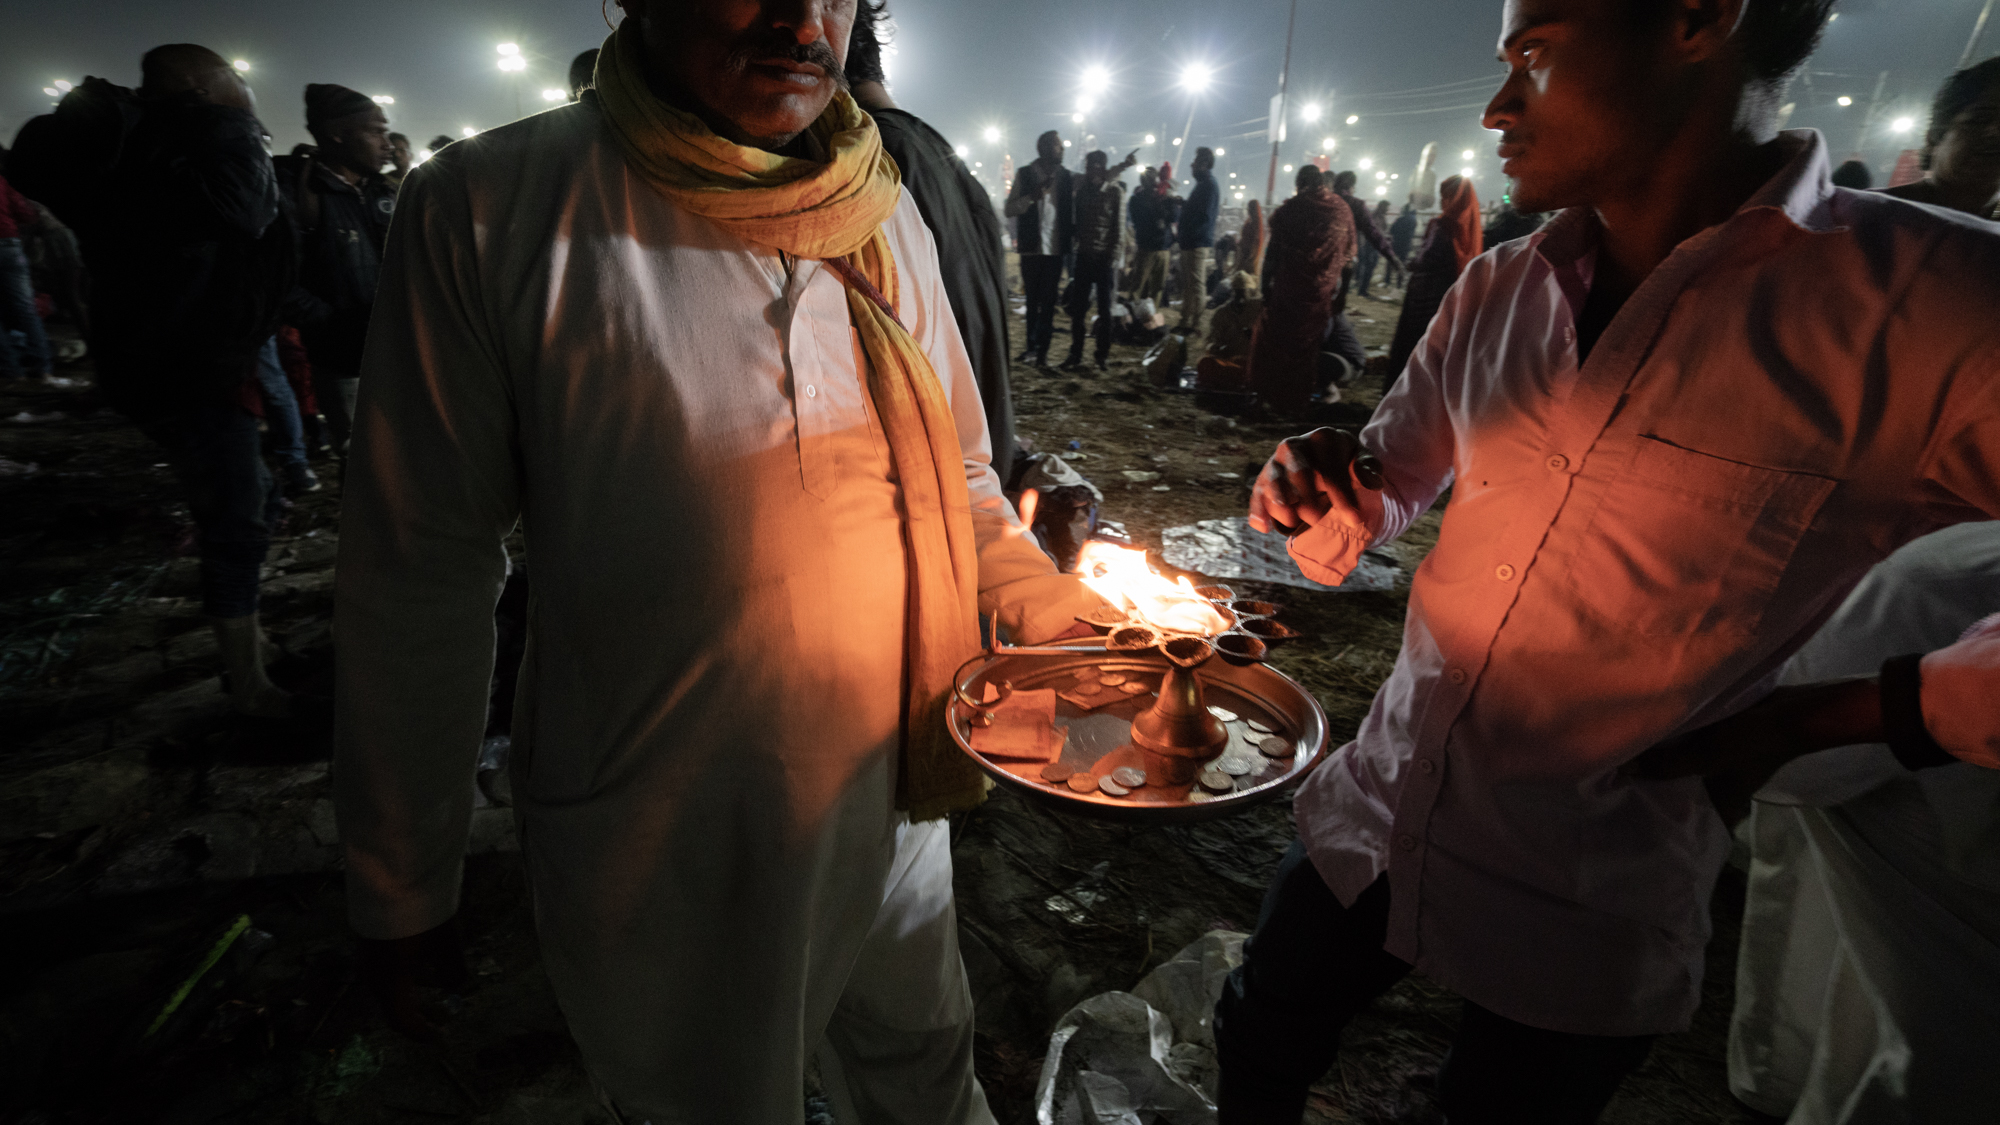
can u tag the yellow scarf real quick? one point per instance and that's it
(835, 211)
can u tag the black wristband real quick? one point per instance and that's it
(1902, 690)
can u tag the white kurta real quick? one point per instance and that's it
(1870, 956)
(705, 743)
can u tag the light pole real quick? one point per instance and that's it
(1278, 125)
(1978, 32)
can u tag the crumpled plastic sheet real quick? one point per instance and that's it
(1224, 549)
(1145, 1056)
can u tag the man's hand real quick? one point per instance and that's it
(394, 971)
(1312, 477)
(1737, 756)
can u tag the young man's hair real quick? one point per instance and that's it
(864, 44)
(1345, 181)
(1309, 177)
(1780, 35)
(394, 137)
(1959, 92)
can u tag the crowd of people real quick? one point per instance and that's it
(743, 364)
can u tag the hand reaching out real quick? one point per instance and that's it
(1311, 478)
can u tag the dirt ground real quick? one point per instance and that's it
(138, 824)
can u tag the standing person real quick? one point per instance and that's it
(971, 244)
(1153, 233)
(1043, 212)
(1681, 421)
(1195, 234)
(1312, 240)
(1961, 157)
(750, 445)
(1371, 255)
(18, 218)
(1452, 240)
(176, 207)
(1100, 203)
(342, 204)
(1253, 242)
(399, 161)
(1342, 340)
(1403, 239)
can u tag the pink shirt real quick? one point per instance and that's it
(1633, 547)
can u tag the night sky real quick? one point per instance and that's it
(967, 65)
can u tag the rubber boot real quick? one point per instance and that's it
(251, 692)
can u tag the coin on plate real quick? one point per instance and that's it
(1129, 777)
(1112, 679)
(1082, 783)
(1110, 786)
(1260, 728)
(1275, 747)
(1055, 773)
(1234, 766)
(1130, 688)
(1223, 713)
(1087, 687)
(1216, 781)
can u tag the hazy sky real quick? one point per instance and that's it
(968, 64)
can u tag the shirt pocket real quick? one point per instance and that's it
(1686, 542)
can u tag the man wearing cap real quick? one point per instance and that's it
(342, 203)
(690, 332)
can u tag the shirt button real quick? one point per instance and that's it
(1504, 573)
(1558, 463)
(1456, 675)
(1407, 842)
(1426, 766)
(1569, 335)
(812, 391)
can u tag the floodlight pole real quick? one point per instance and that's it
(1978, 32)
(1284, 80)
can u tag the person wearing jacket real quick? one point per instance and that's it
(175, 205)
(1099, 204)
(1197, 240)
(1152, 212)
(18, 217)
(1040, 205)
(342, 203)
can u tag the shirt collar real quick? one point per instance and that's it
(1802, 191)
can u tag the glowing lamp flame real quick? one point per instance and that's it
(1126, 580)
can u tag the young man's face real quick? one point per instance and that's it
(399, 153)
(764, 68)
(1581, 110)
(359, 141)
(1969, 151)
(1049, 146)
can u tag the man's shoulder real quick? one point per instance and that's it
(1944, 235)
(558, 138)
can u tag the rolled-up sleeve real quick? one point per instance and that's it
(1960, 685)
(1412, 436)
(431, 492)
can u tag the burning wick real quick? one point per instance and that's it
(1126, 580)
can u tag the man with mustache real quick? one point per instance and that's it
(712, 369)
(1044, 213)
(1680, 422)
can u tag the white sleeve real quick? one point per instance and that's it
(1018, 582)
(431, 492)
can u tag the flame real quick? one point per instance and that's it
(1126, 580)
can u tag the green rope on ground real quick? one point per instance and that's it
(180, 995)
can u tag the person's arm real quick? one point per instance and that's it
(1365, 227)
(1018, 582)
(432, 489)
(1953, 709)
(1023, 196)
(1338, 494)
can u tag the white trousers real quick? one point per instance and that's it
(898, 1048)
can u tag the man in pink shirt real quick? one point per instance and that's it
(1680, 422)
